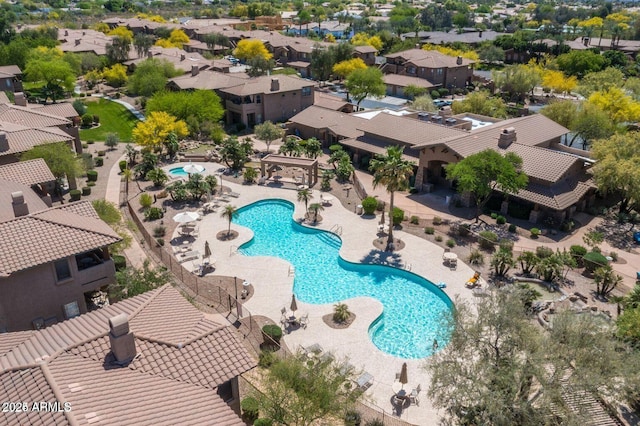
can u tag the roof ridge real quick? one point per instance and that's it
(35, 111)
(139, 309)
(57, 392)
(53, 222)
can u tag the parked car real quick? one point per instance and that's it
(636, 237)
(441, 103)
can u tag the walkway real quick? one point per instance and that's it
(140, 116)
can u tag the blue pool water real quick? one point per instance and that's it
(178, 171)
(413, 307)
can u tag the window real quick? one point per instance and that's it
(71, 310)
(439, 71)
(89, 259)
(63, 271)
(258, 99)
(411, 70)
(306, 91)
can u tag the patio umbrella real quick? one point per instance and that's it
(207, 249)
(193, 168)
(294, 304)
(403, 375)
(186, 217)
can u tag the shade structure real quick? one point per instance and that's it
(327, 197)
(193, 168)
(186, 217)
(207, 249)
(294, 304)
(403, 375)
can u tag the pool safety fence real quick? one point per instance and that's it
(203, 291)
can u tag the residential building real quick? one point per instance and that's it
(180, 59)
(206, 80)
(150, 359)
(559, 181)
(470, 36)
(34, 174)
(366, 53)
(438, 69)
(10, 78)
(84, 41)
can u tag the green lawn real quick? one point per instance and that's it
(114, 118)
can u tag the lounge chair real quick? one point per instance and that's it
(364, 381)
(314, 349)
(473, 281)
(234, 194)
(304, 320)
(414, 395)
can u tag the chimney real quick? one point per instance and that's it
(20, 208)
(4, 143)
(445, 111)
(77, 41)
(507, 137)
(20, 99)
(123, 345)
(182, 58)
(149, 54)
(275, 84)
(480, 33)
(459, 60)
(66, 33)
(194, 70)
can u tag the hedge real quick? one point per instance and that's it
(75, 194)
(92, 175)
(86, 191)
(398, 216)
(369, 205)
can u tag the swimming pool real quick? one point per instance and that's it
(413, 307)
(178, 171)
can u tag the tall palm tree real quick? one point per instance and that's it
(392, 171)
(315, 208)
(229, 212)
(305, 195)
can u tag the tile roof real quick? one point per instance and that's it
(365, 49)
(49, 235)
(559, 196)
(3, 98)
(10, 70)
(11, 340)
(406, 80)
(378, 147)
(61, 109)
(21, 138)
(28, 385)
(407, 130)
(440, 37)
(262, 85)
(543, 163)
(208, 80)
(340, 123)
(165, 384)
(325, 100)
(181, 59)
(29, 172)
(33, 201)
(28, 117)
(429, 58)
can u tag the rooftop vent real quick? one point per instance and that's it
(194, 70)
(123, 345)
(423, 116)
(78, 41)
(450, 121)
(275, 84)
(436, 119)
(507, 137)
(183, 57)
(459, 60)
(20, 99)
(4, 143)
(20, 208)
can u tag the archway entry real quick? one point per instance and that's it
(310, 165)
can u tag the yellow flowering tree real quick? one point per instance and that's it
(152, 18)
(329, 38)
(452, 52)
(592, 24)
(102, 27)
(123, 33)
(558, 82)
(344, 68)
(249, 49)
(617, 104)
(115, 76)
(363, 39)
(155, 131)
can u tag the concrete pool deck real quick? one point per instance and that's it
(272, 280)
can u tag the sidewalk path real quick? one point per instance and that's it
(140, 116)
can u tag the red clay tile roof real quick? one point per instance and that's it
(429, 58)
(340, 123)
(262, 85)
(208, 80)
(29, 172)
(165, 384)
(29, 117)
(49, 235)
(405, 130)
(559, 196)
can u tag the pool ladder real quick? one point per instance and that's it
(336, 229)
(233, 250)
(292, 271)
(407, 266)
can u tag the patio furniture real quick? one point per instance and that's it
(414, 395)
(314, 349)
(364, 381)
(304, 320)
(234, 194)
(190, 255)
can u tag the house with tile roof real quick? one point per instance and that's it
(151, 359)
(10, 78)
(438, 69)
(181, 59)
(559, 181)
(366, 53)
(52, 260)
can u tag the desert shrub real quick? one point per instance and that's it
(162, 194)
(543, 252)
(369, 205)
(160, 242)
(398, 216)
(381, 205)
(463, 229)
(414, 220)
(159, 231)
(578, 252)
(352, 418)
(75, 194)
(99, 161)
(429, 230)
(91, 184)
(487, 240)
(437, 220)
(86, 191)
(85, 146)
(451, 242)
(501, 220)
(272, 332)
(250, 408)
(341, 312)
(476, 257)
(101, 153)
(250, 175)
(146, 200)
(96, 118)
(119, 261)
(494, 215)
(266, 359)
(614, 256)
(90, 142)
(374, 422)
(153, 213)
(123, 165)
(535, 233)
(567, 226)
(594, 260)
(512, 228)
(263, 422)
(92, 175)
(438, 238)
(87, 120)
(435, 94)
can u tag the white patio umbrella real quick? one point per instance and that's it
(186, 217)
(193, 168)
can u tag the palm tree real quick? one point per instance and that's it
(229, 212)
(197, 186)
(315, 208)
(305, 195)
(394, 172)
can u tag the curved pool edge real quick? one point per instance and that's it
(419, 279)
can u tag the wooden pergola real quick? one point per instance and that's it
(310, 165)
